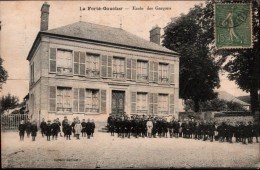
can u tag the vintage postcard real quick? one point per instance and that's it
(123, 84)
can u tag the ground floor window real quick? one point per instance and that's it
(92, 101)
(142, 102)
(64, 99)
(163, 103)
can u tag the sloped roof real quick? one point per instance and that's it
(106, 34)
(229, 97)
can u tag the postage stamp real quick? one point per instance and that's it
(233, 25)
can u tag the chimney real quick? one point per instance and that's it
(44, 16)
(155, 35)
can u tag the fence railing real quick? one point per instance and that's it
(12, 121)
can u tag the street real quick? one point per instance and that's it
(105, 151)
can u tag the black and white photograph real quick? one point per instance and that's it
(130, 84)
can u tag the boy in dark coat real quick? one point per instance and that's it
(93, 126)
(83, 131)
(67, 130)
(256, 130)
(64, 121)
(55, 129)
(73, 125)
(28, 128)
(48, 130)
(22, 128)
(34, 130)
(88, 128)
(59, 129)
(43, 126)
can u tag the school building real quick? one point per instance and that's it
(87, 70)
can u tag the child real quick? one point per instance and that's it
(78, 129)
(67, 130)
(48, 130)
(55, 129)
(88, 128)
(22, 128)
(28, 128)
(43, 126)
(59, 129)
(93, 126)
(34, 130)
(83, 131)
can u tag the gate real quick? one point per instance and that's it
(12, 121)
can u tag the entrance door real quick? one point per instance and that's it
(118, 102)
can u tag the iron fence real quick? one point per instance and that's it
(12, 121)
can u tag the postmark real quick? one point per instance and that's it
(233, 25)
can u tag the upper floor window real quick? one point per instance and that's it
(118, 67)
(163, 72)
(64, 98)
(142, 70)
(92, 65)
(64, 62)
(163, 103)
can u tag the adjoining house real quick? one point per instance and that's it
(87, 70)
(229, 97)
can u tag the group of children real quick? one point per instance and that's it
(54, 129)
(29, 128)
(147, 126)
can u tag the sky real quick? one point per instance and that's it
(21, 23)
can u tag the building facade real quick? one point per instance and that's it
(87, 70)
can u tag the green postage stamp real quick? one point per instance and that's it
(233, 25)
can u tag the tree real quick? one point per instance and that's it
(244, 68)
(9, 102)
(3, 74)
(192, 36)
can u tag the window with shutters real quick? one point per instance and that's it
(163, 103)
(32, 73)
(163, 72)
(92, 65)
(142, 70)
(92, 101)
(118, 68)
(142, 102)
(64, 62)
(64, 99)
